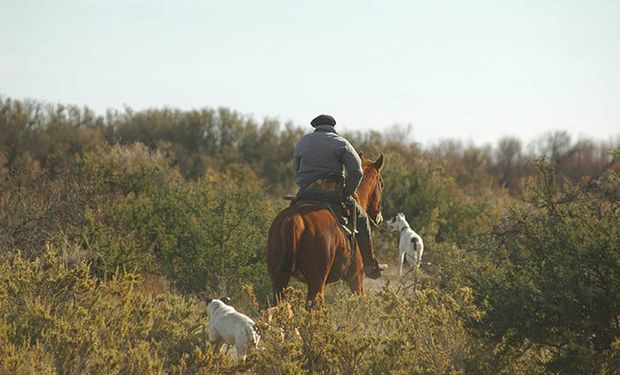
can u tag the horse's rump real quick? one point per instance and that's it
(308, 225)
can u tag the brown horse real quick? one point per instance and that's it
(305, 242)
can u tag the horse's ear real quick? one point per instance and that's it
(379, 162)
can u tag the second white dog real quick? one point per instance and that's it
(410, 245)
(230, 327)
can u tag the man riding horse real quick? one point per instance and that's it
(305, 239)
(328, 168)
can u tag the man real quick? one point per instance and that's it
(328, 167)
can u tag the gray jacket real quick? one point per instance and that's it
(326, 154)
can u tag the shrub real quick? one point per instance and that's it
(428, 196)
(391, 331)
(553, 274)
(207, 234)
(56, 318)
(35, 208)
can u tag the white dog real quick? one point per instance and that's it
(410, 245)
(230, 327)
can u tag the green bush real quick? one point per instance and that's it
(56, 318)
(428, 196)
(204, 235)
(552, 273)
(35, 208)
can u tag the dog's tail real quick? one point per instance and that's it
(290, 234)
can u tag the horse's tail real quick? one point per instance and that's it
(290, 233)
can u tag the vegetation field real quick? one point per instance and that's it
(114, 227)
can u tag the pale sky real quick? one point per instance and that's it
(471, 70)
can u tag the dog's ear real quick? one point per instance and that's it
(208, 300)
(226, 301)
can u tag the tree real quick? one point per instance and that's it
(508, 156)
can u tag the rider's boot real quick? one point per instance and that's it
(371, 265)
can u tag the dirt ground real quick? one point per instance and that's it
(390, 275)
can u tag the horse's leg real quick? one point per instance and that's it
(356, 283)
(280, 282)
(316, 287)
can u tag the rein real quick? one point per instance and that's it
(378, 180)
(372, 221)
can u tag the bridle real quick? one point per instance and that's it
(378, 184)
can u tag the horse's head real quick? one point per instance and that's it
(370, 189)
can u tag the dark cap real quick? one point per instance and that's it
(323, 120)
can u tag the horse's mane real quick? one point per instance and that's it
(366, 163)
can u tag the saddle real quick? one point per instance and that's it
(321, 194)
